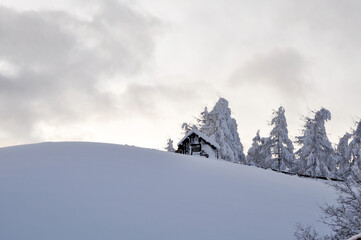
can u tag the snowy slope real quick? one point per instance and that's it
(104, 191)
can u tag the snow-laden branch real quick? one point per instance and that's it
(356, 237)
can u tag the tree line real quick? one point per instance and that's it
(315, 157)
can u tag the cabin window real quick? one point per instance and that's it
(196, 148)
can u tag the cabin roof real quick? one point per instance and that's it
(201, 135)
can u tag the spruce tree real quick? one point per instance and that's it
(253, 154)
(343, 152)
(282, 147)
(169, 146)
(355, 150)
(316, 156)
(275, 151)
(186, 127)
(349, 153)
(206, 122)
(265, 153)
(219, 125)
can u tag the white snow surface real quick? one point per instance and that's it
(73, 190)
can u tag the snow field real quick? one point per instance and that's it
(73, 190)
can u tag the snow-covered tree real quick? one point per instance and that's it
(207, 122)
(282, 147)
(343, 152)
(343, 218)
(219, 125)
(275, 151)
(355, 150)
(186, 127)
(261, 154)
(316, 156)
(169, 146)
(307, 233)
(253, 154)
(349, 153)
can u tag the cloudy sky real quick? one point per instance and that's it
(130, 72)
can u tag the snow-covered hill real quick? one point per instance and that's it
(87, 191)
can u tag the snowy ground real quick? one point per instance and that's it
(103, 191)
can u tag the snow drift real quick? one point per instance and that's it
(104, 191)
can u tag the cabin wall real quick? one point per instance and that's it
(208, 149)
(195, 140)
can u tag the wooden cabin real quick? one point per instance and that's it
(197, 143)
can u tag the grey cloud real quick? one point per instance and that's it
(60, 58)
(324, 22)
(173, 96)
(282, 70)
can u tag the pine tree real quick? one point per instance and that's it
(169, 146)
(282, 147)
(219, 125)
(316, 155)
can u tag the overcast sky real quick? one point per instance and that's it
(130, 72)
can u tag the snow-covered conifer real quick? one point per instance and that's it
(282, 147)
(253, 154)
(207, 123)
(355, 149)
(265, 153)
(169, 146)
(186, 127)
(316, 155)
(204, 116)
(219, 125)
(275, 151)
(343, 152)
